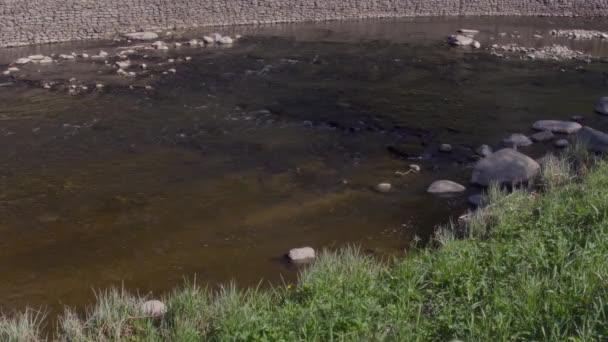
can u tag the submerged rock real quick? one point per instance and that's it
(504, 166)
(22, 61)
(557, 126)
(542, 136)
(445, 148)
(445, 187)
(517, 140)
(601, 106)
(595, 140)
(301, 255)
(154, 308)
(460, 40)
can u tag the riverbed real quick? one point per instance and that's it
(217, 170)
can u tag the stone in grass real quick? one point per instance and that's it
(601, 106)
(542, 136)
(562, 143)
(445, 187)
(153, 308)
(301, 255)
(517, 140)
(557, 126)
(383, 187)
(506, 166)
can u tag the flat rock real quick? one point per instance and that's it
(557, 126)
(22, 61)
(153, 308)
(460, 40)
(542, 136)
(468, 31)
(36, 57)
(301, 255)
(601, 106)
(142, 35)
(504, 166)
(484, 150)
(445, 187)
(595, 140)
(517, 140)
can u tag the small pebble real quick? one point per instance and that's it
(445, 148)
(383, 187)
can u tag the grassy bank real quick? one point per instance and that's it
(532, 267)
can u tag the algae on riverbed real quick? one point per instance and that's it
(533, 269)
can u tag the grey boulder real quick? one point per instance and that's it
(506, 166)
(460, 40)
(153, 308)
(561, 143)
(445, 187)
(557, 126)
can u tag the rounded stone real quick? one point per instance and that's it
(445, 187)
(383, 187)
(153, 308)
(225, 40)
(301, 255)
(504, 166)
(415, 168)
(557, 126)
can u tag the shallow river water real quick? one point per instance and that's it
(252, 150)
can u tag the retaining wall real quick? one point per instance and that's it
(24, 22)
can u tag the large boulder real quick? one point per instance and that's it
(595, 140)
(445, 187)
(460, 40)
(601, 106)
(517, 140)
(142, 35)
(504, 166)
(557, 126)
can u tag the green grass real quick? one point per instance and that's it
(532, 266)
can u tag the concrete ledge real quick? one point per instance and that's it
(24, 22)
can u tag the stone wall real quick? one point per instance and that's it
(43, 21)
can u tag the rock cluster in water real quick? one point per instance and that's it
(121, 61)
(553, 52)
(580, 34)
